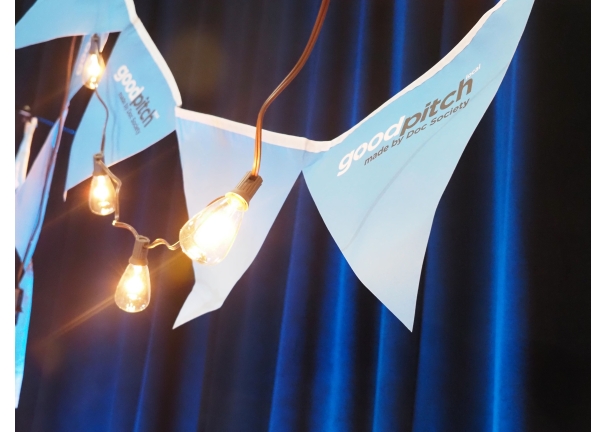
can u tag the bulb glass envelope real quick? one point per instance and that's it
(93, 69)
(102, 195)
(134, 289)
(209, 235)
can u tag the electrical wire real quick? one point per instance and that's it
(291, 76)
(116, 222)
(106, 120)
(163, 242)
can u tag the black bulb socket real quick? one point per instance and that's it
(248, 186)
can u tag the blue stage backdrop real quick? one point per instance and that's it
(501, 339)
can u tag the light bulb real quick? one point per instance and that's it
(102, 194)
(93, 66)
(209, 235)
(134, 289)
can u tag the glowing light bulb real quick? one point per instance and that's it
(102, 194)
(134, 289)
(133, 292)
(93, 66)
(209, 235)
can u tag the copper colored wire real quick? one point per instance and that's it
(102, 151)
(118, 224)
(291, 76)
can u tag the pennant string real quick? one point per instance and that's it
(28, 115)
(116, 222)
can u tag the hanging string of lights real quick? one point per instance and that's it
(209, 235)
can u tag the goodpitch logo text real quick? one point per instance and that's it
(408, 127)
(138, 102)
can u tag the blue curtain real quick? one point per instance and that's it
(501, 340)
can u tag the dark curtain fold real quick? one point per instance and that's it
(501, 340)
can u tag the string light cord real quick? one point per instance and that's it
(106, 120)
(162, 242)
(291, 76)
(119, 224)
(99, 159)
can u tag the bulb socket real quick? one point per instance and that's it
(248, 186)
(94, 44)
(98, 162)
(139, 256)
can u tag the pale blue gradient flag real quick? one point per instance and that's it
(377, 186)
(52, 19)
(141, 95)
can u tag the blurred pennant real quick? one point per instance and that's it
(31, 198)
(30, 206)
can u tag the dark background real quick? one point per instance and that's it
(501, 340)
